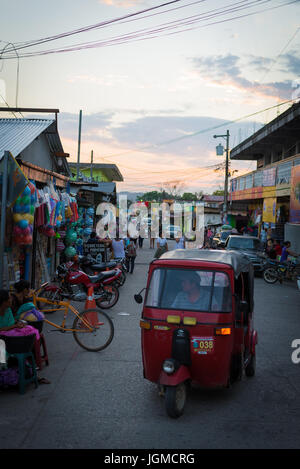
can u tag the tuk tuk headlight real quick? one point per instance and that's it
(169, 366)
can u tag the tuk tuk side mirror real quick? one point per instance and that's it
(138, 298)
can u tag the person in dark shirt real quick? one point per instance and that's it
(93, 238)
(21, 295)
(287, 251)
(278, 248)
(271, 252)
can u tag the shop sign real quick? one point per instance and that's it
(295, 195)
(93, 249)
(269, 210)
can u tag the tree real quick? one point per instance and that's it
(173, 189)
(190, 196)
(218, 192)
(150, 197)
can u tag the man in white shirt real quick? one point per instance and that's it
(180, 243)
(118, 247)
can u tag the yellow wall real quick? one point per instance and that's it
(269, 210)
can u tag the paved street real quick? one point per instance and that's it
(100, 400)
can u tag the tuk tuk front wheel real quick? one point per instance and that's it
(175, 399)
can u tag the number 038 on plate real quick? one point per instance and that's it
(202, 345)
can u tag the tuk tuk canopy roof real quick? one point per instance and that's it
(238, 261)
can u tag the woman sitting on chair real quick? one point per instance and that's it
(9, 326)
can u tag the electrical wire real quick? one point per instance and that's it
(99, 25)
(280, 53)
(193, 173)
(139, 35)
(148, 33)
(193, 134)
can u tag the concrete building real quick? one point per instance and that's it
(96, 183)
(268, 193)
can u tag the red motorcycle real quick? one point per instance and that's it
(70, 282)
(90, 266)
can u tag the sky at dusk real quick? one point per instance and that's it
(158, 85)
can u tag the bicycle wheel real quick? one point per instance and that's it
(51, 296)
(270, 275)
(102, 330)
(109, 297)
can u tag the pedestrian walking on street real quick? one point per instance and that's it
(180, 243)
(130, 256)
(263, 236)
(117, 246)
(152, 240)
(141, 240)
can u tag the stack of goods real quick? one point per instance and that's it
(23, 216)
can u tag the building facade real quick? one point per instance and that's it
(270, 195)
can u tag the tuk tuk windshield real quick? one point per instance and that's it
(192, 290)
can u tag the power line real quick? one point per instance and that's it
(94, 26)
(148, 33)
(198, 132)
(280, 53)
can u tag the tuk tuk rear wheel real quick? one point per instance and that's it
(175, 399)
(236, 370)
(250, 368)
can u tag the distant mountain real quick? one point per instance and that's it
(131, 195)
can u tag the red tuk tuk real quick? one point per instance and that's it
(197, 322)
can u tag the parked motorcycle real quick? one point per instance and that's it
(90, 266)
(70, 282)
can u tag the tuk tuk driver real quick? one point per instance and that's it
(192, 296)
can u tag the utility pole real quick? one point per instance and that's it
(79, 141)
(3, 213)
(92, 158)
(226, 136)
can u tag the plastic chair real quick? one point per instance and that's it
(21, 349)
(25, 360)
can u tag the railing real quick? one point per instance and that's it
(273, 176)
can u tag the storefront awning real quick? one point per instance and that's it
(106, 188)
(42, 175)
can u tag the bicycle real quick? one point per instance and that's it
(275, 270)
(92, 329)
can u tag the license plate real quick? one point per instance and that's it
(202, 345)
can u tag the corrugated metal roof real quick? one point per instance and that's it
(110, 170)
(17, 134)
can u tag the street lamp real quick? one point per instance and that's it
(226, 169)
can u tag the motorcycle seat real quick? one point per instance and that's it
(106, 274)
(102, 276)
(103, 265)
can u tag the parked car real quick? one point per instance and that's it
(250, 246)
(220, 238)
